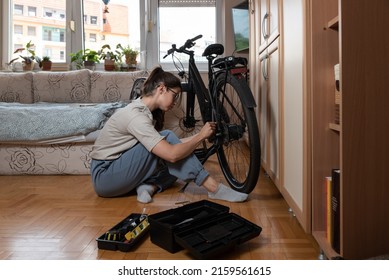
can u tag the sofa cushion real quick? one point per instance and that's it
(16, 87)
(113, 86)
(62, 87)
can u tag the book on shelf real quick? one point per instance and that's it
(328, 194)
(337, 94)
(335, 210)
(337, 77)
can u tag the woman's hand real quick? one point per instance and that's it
(173, 153)
(207, 130)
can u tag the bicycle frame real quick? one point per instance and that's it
(195, 86)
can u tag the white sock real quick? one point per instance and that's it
(145, 193)
(225, 193)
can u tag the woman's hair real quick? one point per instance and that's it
(157, 77)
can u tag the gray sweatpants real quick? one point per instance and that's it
(138, 166)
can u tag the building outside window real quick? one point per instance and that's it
(18, 29)
(93, 20)
(32, 11)
(31, 31)
(92, 37)
(18, 9)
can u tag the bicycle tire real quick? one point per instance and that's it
(240, 154)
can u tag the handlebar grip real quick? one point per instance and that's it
(196, 38)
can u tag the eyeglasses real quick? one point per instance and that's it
(176, 95)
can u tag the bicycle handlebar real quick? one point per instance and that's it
(188, 44)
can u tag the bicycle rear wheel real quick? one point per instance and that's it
(239, 155)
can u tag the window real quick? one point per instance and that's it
(93, 20)
(18, 9)
(31, 11)
(123, 24)
(18, 46)
(31, 31)
(92, 37)
(18, 29)
(185, 24)
(120, 25)
(54, 13)
(47, 36)
(53, 34)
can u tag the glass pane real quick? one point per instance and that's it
(43, 23)
(177, 24)
(118, 22)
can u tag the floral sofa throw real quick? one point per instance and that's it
(64, 155)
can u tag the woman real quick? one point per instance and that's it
(130, 152)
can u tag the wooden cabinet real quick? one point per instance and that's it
(269, 22)
(295, 185)
(345, 32)
(269, 111)
(281, 101)
(295, 88)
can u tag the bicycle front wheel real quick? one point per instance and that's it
(239, 155)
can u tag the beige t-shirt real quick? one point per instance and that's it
(127, 127)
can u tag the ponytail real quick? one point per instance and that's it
(159, 76)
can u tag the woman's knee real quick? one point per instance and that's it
(170, 136)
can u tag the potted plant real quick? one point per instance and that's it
(109, 56)
(130, 54)
(46, 63)
(28, 58)
(90, 58)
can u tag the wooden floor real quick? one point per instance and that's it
(60, 217)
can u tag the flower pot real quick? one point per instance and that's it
(109, 65)
(46, 65)
(28, 66)
(91, 65)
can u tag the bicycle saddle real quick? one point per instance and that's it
(217, 49)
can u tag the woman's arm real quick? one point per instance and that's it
(173, 153)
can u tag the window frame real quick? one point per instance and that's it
(149, 41)
(150, 44)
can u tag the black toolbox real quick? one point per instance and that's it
(124, 235)
(206, 229)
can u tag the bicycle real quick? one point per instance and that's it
(228, 101)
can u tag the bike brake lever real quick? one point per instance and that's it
(169, 52)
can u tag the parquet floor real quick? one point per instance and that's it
(60, 217)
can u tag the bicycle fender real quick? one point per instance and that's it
(247, 99)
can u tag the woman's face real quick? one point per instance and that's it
(170, 97)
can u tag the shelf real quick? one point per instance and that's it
(334, 126)
(334, 23)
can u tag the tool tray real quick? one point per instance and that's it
(206, 229)
(110, 241)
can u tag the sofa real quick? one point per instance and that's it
(39, 110)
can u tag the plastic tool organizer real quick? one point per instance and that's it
(206, 229)
(125, 234)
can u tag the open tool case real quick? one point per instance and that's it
(206, 229)
(125, 234)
